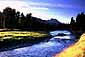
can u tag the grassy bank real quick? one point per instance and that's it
(75, 50)
(15, 34)
(21, 38)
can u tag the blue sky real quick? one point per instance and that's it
(62, 10)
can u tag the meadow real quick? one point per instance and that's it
(14, 34)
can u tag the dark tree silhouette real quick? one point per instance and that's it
(72, 21)
(72, 24)
(1, 19)
(29, 20)
(80, 21)
(13, 18)
(22, 20)
(9, 17)
(17, 19)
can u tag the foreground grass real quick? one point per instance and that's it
(17, 35)
(76, 50)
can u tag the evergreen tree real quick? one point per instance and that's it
(22, 20)
(80, 21)
(72, 24)
(29, 20)
(1, 19)
(9, 17)
(72, 21)
(17, 19)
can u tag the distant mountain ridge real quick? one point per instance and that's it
(53, 22)
(50, 22)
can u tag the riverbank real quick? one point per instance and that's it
(43, 48)
(15, 39)
(6, 29)
(75, 50)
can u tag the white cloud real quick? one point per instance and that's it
(13, 4)
(24, 7)
(56, 5)
(20, 6)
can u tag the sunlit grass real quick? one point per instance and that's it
(76, 50)
(14, 34)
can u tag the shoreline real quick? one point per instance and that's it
(15, 47)
(24, 44)
(5, 29)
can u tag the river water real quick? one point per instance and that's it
(44, 49)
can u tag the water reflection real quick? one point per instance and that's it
(66, 34)
(43, 49)
(54, 33)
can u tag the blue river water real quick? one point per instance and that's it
(44, 49)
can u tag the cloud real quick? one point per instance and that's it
(20, 6)
(29, 6)
(57, 5)
(41, 10)
(11, 0)
(12, 4)
(25, 8)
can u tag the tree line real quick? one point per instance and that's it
(79, 23)
(10, 18)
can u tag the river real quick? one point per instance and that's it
(44, 49)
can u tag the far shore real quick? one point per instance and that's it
(6, 29)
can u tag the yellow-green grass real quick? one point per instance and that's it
(14, 34)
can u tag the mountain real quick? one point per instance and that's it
(53, 22)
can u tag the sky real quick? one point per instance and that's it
(61, 10)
